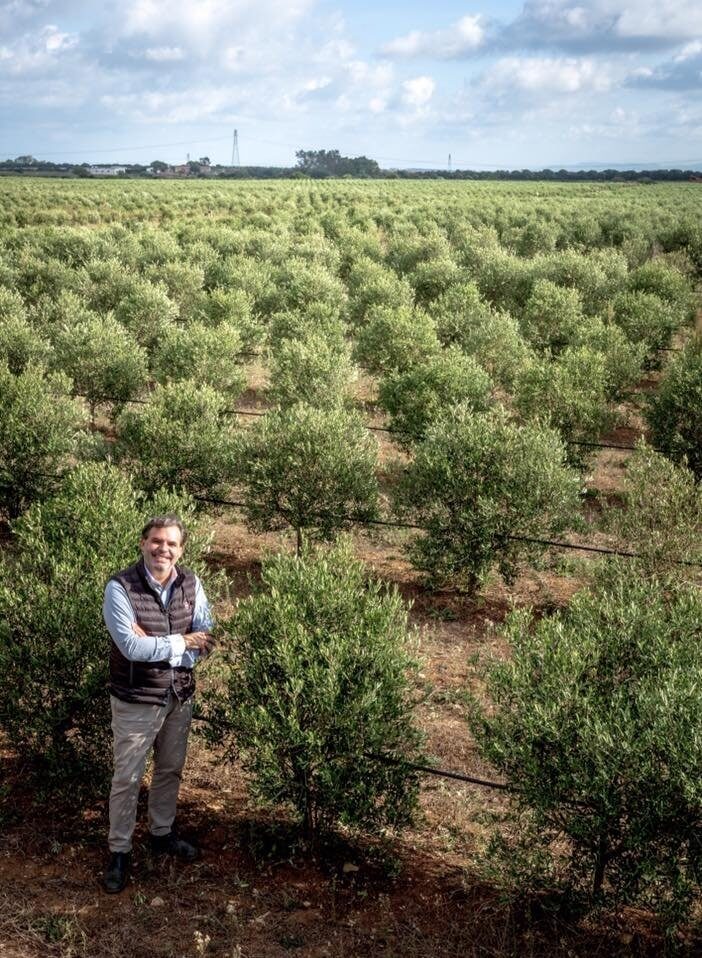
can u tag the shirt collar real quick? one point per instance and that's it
(155, 584)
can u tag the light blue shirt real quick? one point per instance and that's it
(120, 618)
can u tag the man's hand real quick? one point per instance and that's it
(202, 641)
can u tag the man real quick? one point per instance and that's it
(159, 619)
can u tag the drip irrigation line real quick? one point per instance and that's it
(439, 772)
(259, 413)
(603, 445)
(555, 543)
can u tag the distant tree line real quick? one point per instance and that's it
(326, 164)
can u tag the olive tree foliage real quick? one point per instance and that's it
(646, 319)
(246, 275)
(146, 311)
(569, 394)
(318, 681)
(660, 278)
(308, 469)
(661, 517)
(433, 277)
(371, 285)
(595, 721)
(183, 282)
(674, 413)
(537, 235)
(623, 359)
(504, 280)
(596, 275)
(204, 354)
(475, 481)
(298, 284)
(53, 643)
(104, 361)
(457, 310)
(20, 343)
(552, 316)
(104, 283)
(418, 397)
(395, 339)
(463, 318)
(180, 439)
(312, 370)
(233, 307)
(318, 319)
(40, 433)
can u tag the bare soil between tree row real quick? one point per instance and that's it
(256, 893)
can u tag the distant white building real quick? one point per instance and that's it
(107, 170)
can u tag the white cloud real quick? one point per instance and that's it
(461, 39)
(55, 40)
(417, 92)
(544, 75)
(174, 107)
(597, 26)
(661, 19)
(689, 51)
(204, 24)
(37, 53)
(164, 54)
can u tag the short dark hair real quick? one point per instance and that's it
(160, 522)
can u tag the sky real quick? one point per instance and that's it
(507, 85)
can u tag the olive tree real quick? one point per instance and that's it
(40, 432)
(372, 285)
(477, 484)
(674, 413)
(318, 684)
(104, 361)
(181, 438)
(234, 307)
(493, 338)
(661, 517)
(623, 359)
(310, 370)
(395, 339)
(20, 343)
(415, 399)
(204, 354)
(307, 468)
(146, 311)
(552, 315)
(646, 319)
(570, 394)
(595, 720)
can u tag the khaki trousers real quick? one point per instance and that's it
(136, 728)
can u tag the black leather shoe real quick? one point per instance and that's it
(170, 844)
(117, 872)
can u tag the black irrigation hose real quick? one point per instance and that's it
(600, 550)
(258, 413)
(439, 772)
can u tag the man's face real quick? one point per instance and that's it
(161, 550)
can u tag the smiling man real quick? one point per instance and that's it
(159, 619)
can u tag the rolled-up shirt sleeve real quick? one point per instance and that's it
(119, 619)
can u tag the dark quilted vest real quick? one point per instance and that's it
(149, 682)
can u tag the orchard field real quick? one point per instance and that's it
(381, 406)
